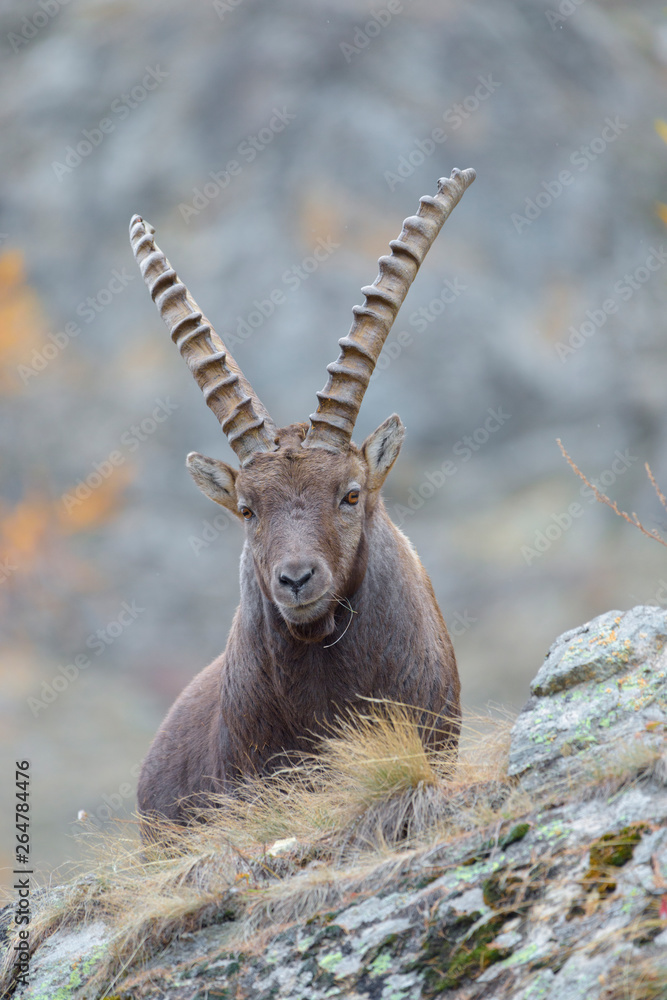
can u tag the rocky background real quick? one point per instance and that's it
(249, 133)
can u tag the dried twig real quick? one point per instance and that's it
(611, 503)
(661, 496)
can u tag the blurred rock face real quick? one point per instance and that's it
(277, 149)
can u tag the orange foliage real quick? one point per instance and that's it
(25, 528)
(41, 567)
(103, 502)
(21, 320)
(661, 128)
(34, 541)
(28, 530)
(32, 531)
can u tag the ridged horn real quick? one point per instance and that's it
(331, 426)
(244, 420)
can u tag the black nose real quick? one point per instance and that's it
(294, 581)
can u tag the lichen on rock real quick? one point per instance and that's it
(600, 689)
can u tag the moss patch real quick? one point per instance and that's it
(511, 893)
(611, 850)
(500, 891)
(448, 959)
(516, 834)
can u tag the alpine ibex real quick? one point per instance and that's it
(335, 604)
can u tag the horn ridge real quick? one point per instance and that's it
(332, 424)
(227, 392)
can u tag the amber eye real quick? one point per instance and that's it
(247, 513)
(352, 497)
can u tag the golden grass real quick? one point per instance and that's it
(372, 786)
(355, 812)
(619, 766)
(144, 897)
(643, 979)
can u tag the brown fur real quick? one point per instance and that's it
(296, 658)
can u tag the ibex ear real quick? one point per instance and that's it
(381, 448)
(214, 478)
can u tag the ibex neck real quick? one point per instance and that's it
(285, 691)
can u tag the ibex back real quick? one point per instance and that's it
(335, 604)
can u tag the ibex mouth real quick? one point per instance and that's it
(310, 611)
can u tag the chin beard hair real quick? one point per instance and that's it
(313, 631)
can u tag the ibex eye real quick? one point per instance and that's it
(247, 513)
(352, 497)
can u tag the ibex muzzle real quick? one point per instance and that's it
(320, 551)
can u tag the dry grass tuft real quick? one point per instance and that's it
(645, 979)
(373, 786)
(378, 780)
(381, 753)
(355, 812)
(145, 897)
(152, 898)
(620, 766)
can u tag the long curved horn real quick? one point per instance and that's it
(242, 417)
(332, 424)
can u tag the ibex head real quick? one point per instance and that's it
(306, 492)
